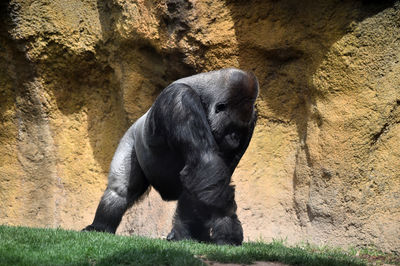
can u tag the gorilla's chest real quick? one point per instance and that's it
(161, 163)
(161, 166)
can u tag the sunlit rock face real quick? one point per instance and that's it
(324, 162)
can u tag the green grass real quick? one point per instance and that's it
(29, 246)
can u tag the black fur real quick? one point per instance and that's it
(187, 146)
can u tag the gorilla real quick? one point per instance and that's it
(186, 146)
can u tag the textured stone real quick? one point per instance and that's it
(323, 165)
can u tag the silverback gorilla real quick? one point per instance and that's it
(186, 146)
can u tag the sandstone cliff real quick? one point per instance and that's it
(324, 163)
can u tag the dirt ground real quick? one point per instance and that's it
(257, 263)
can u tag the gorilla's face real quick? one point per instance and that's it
(232, 110)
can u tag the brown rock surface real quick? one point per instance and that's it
(323, 165)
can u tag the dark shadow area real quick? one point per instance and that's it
(4, 7)
(7, 93)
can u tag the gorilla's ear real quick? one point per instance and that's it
(252, 86)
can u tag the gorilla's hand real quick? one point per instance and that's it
(231, 141)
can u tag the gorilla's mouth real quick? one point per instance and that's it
(230, 138)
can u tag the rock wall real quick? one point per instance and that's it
(323, 165)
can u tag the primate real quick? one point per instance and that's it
(186, 146)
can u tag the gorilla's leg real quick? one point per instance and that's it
(190, 220)
(126, 183)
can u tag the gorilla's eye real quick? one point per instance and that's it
(220, 107)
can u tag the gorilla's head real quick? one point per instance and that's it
(231, 107)
(228, 97)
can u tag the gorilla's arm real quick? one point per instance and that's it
(244, 143)
(179, 116)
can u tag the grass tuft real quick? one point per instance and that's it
(29, 246)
